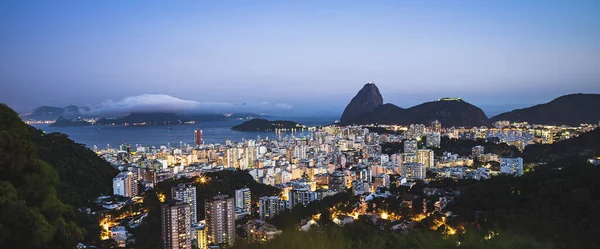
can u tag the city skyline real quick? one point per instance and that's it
(299, 124)
(297, 57)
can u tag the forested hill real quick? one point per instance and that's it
(31, 214)
(571, 109)
(553, 205)
(83, 175)
(585, 146)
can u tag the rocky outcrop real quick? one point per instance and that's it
(365, 101)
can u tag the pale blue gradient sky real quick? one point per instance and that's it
(312, 55)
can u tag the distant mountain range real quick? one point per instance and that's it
(71, 116)
(53, 113)
(367, 108)
(572, 109)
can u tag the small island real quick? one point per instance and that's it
(266, 125)
(63, 122)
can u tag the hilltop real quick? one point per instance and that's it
(52, 112)
(366, 101)
(366, 108)
(572, 109)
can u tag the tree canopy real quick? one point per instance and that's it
(31, 214)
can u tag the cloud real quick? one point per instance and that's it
(167, 103)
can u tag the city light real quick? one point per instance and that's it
(384, 215)
(161, 197)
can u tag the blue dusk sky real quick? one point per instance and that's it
(295, 56)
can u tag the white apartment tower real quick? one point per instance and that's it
(242, 200)
(125, 184)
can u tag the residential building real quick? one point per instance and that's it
(269, 206)
(220, 220)
(259, 231)
(125, 184)
(433, 140)
(186, 193)
(242, 200)
(410, 146)
(511, 166)
(413, 171)
(301, 195)
(119, 235)
(202, 235)
(436, 126)
(425, 157)
(176, 225)
(337, 181)
(381, 180)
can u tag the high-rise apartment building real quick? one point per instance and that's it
(413, 171)
(125, 184)
(409, 157)
(176, 225)
(242, 200)
(269, 206)
(220, 220)
(425, 157)
(433, 140)
(415, 131)
(337, 181)
(410, 146)
(186, 193)
(198, 138)
(436, 126)
(201, 233)
(301, 195)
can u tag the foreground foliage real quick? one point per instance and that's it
(549, 204)
(31, 214)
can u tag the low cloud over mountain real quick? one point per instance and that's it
(167, 103)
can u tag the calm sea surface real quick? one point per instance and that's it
(212, 131)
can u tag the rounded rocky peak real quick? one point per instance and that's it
(365, 101)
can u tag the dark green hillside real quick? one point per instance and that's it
(31, 214)
(572, 109)
(585, 146)
(83, 175)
